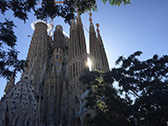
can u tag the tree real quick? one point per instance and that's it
(148, 82)
(103, 98)
(9, 62)
(142, 91)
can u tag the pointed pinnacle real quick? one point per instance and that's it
(90, 17)
(97, 28)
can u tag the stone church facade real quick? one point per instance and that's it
(49, 92)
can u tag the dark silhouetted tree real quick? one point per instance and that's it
(141, 97)
(103, 98)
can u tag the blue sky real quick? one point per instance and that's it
(142, 25)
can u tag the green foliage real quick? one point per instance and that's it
(9, 62)
(148, 82)
(141, 97)
(103, 98)
(117, 2)
(20, 8)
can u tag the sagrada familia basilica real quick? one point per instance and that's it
(49, 92)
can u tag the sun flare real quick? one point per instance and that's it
(89, 63)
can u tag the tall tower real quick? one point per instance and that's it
(94, 48)
(77, 65)
(56, 78)
(102, 53)
(37, 60)
(97, 53)
(37, 55)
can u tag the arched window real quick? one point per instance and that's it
(73, 69)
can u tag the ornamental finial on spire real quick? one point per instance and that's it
(90, 18)
(97, 28)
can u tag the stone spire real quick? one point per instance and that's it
(94, 47)
(81, 36)
(38, 49)
(71, 43)
(76, 66)
(102, 53)
(37, 55)
(74, 44)
(82, 64)
(73, 52)
(77, 49)
(92, 38)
